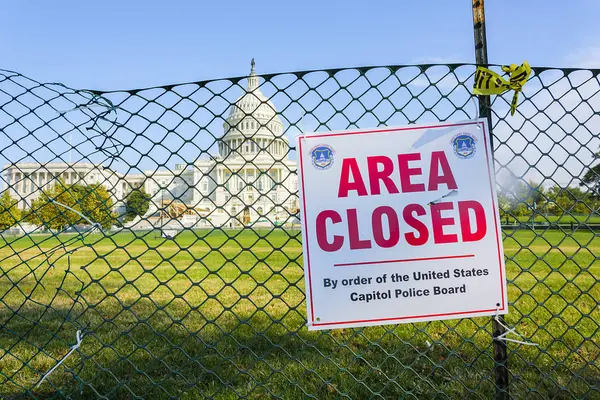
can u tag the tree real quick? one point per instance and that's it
(93, 201)
(592, 178)
(568, 200)
(522, 198)
(137, 203)
(9, 212)
(96, 204)
(44, 212)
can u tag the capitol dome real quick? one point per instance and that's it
(253, 126)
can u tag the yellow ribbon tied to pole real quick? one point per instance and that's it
(488, 82)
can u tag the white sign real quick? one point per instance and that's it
(400, 225)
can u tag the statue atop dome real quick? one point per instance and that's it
(253, 79)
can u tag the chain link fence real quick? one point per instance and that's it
(151, 243)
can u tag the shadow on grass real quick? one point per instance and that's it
(124, 355)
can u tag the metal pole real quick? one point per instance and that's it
(481, 58)
(500, 350)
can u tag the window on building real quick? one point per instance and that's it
(260, 184)
(240, 185)
(274, 177)
(259, 210)
(274, 197)
(233, 210)
(204, 186)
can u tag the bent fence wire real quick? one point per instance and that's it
(162, 225)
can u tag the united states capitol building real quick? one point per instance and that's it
(250, 181)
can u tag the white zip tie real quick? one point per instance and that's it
(503, 337)
(84, 107)
(73, 348)
(94, 104)
(453, 192)
(94, 224)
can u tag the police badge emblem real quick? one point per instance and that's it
(322, 156)
(464, 145)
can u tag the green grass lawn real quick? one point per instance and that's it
(222, 314)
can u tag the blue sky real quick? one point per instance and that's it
(116, 45)
(128, 44)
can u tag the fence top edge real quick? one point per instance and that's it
(301, 73)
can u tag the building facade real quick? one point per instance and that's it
(26, 180)
(250, 181)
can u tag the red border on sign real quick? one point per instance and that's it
(404, 260)
(485, 138)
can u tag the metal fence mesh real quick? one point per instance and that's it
(162, 224)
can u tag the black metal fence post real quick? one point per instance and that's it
(500, 350)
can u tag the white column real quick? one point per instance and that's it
(17, 188)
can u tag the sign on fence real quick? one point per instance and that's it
(400, 225)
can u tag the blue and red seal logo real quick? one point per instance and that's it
(322, 156)
(464, 145)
